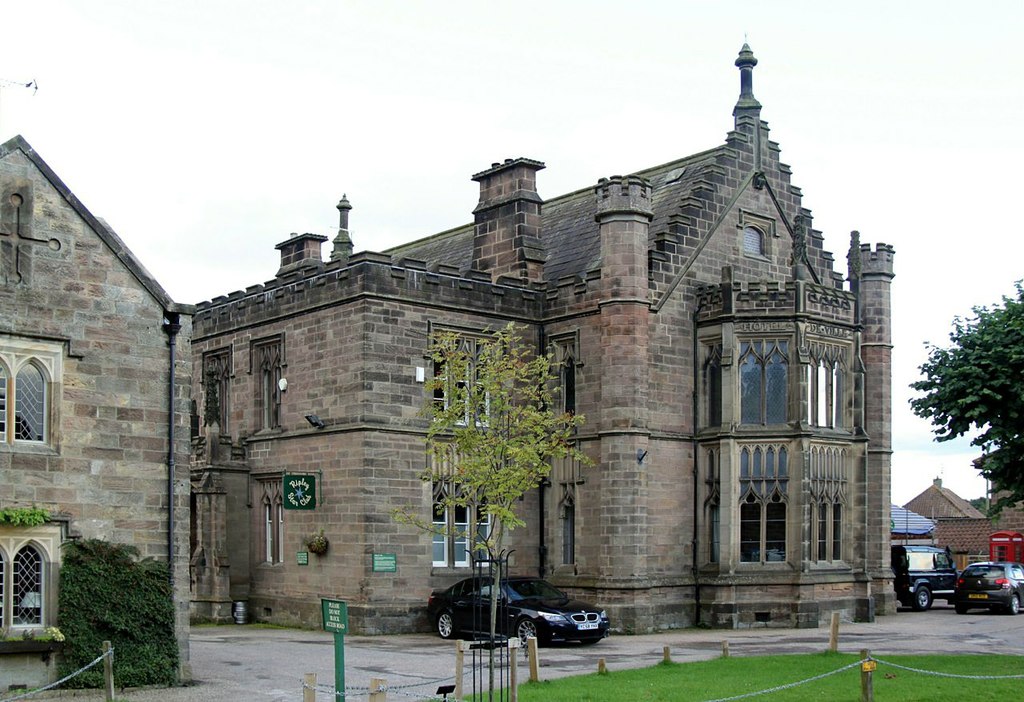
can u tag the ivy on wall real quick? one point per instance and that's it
(107, 594)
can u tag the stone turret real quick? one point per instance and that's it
(874, 302)
(507, 221)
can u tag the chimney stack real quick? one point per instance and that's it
(507, 221)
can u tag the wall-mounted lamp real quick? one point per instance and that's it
(641, 454)
(315, 421)
(282, 384)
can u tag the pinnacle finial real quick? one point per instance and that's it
(746, 62)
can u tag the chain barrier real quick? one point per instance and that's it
(948, 675)
(63, 680)
(396, 689)
(788, 685)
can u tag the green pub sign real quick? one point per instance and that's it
(299, 492)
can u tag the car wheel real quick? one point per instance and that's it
(922, 599)
(525, 628)
(960, 609)
(445, 625)
(1014, 606)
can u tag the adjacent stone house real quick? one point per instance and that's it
(736, 389)
(94, 401)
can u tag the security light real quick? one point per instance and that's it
(315, 421)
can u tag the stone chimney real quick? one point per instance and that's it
(507, 221)
(343, 242)
(300, 251)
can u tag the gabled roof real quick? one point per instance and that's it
(906, 522)
(101, 228)
(937, 501)
(571, 235)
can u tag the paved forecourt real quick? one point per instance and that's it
(233, 662)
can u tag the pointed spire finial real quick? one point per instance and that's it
(746, 62)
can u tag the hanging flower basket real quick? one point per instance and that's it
(318, 543)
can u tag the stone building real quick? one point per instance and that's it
(736, 389)
(94, 401)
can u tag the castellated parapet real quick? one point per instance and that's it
(623, 195)
(878, 261)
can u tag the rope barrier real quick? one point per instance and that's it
(787, 685)
(948, 675)
(63, 680)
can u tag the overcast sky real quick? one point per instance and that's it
(204, 132)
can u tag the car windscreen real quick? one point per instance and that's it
(520, 589)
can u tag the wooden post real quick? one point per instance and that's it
(513, 670)
(833, 633)
(531, 654)
(309, 687)
(867, 686)
(725, 649)
(460, 660)
(601, 668)
(378, 690)
(666, 656)
(108, 671)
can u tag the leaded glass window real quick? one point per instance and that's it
(27, 587)
(764, 479)
(764, 383)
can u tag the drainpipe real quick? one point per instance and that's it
(172, 326)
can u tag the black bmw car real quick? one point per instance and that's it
(526, 607)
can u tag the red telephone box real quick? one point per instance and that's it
(1006, 546)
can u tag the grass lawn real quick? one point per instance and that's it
(729, 677)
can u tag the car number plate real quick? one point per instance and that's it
(587, 625)
(977, 596)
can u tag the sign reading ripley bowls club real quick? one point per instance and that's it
(299, 492)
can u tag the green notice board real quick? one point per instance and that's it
(299, 492)
(335, 613)
(385, 563)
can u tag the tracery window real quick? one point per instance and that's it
(566, 473)
(271, 537)
(267, 365)
(827, 473)
(764, 478)
(453, 526)
(825, 386)
(712, 505)
(28, 371)
(764, 391)
(452, 387)
(711, 378)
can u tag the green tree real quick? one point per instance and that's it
(976, 386)
(493, 434)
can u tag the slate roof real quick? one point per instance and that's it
(937, 502)
(906, 522)
(570, 233)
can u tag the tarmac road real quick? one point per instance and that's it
(234, 663)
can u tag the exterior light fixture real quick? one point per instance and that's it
(315, 421)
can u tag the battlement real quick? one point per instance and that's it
(370, 274)
(878, 261)
(623, 195)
